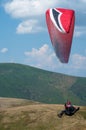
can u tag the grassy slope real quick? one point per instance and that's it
(22, 81)
(34, 116)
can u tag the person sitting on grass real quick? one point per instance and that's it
(69, 109)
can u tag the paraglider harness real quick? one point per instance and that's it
(69, 109)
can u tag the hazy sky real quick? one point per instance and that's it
(24, 36)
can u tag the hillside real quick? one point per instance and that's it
(21, 81)
(22, 114)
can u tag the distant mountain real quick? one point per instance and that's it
(22, 81)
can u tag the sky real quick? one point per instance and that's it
(24, 36)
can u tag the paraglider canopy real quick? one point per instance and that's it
(60, 23)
